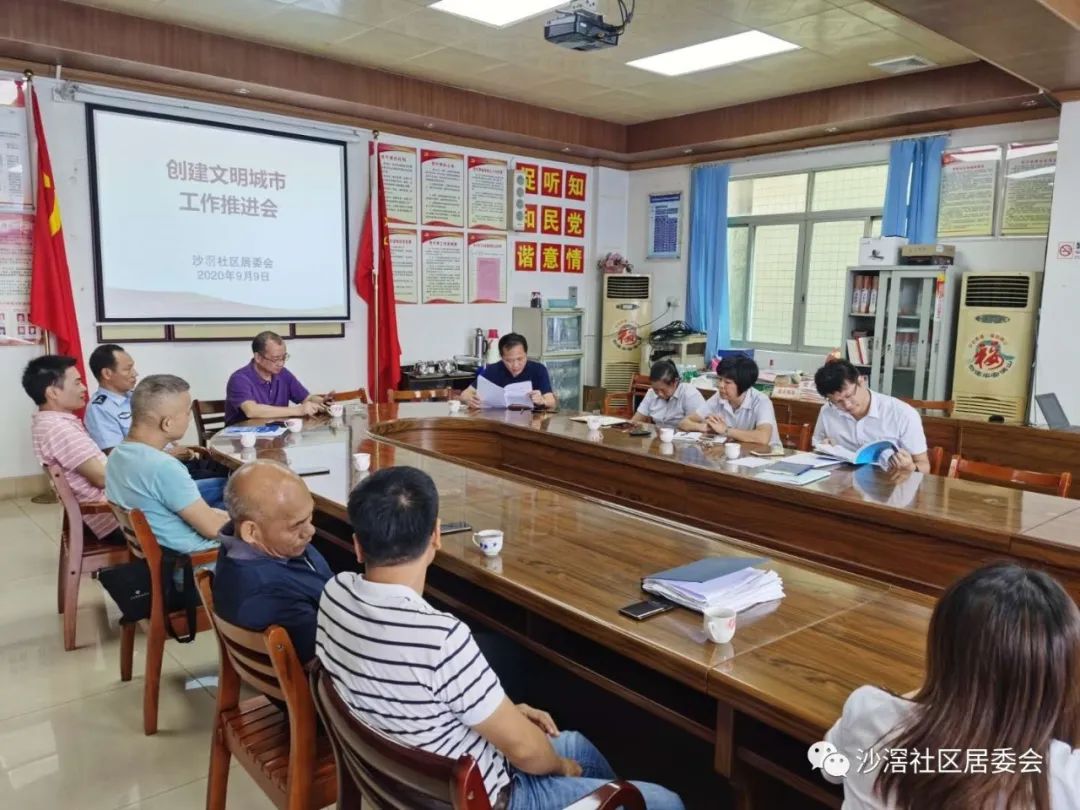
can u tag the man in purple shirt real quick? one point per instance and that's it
(264, 388)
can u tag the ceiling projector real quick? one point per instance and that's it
(581, 30)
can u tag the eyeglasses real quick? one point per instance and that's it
(275, 360)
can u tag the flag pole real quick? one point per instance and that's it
(48, 496)
(376, 253)
(31, 153)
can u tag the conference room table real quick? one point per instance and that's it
(587, 516)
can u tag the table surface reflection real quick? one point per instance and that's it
(576, 561)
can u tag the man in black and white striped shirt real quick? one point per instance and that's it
(416, 673)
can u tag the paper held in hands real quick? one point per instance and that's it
(879, 453)
(729, 582)
(515, 395)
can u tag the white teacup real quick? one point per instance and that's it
(337, 410)
(247, 439)
(594, 422)
(361, 461)
(489, 541)
(294, 425)
(732, 450)
(667, 435)
(455, 405)
(720, 624)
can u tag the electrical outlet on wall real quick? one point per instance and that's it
(673, 302)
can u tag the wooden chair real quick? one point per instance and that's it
(209, 417)
(936, 455)
(142, 544)
(357, 393)
(80, 551)
(283, 752)
(619, 403)
(1050, 483)
(427, 395)
(796, 437)
(384, 774)
(944, 405)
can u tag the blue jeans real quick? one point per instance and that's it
(212, 491)
(556, 792)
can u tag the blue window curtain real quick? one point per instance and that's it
(913, 190)
(708, 304)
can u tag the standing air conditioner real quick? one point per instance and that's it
(995, 345)
(625, 327)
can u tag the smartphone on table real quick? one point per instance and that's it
(646, 609)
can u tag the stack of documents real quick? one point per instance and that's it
(730, 582)
(260, 431)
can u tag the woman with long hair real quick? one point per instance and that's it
(1002, 692)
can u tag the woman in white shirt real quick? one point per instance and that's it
(737, 410)
(669, 401)
(1002, 692)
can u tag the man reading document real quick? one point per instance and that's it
(524, 382)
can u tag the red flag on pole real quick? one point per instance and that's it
(52, 306)
(375, 285)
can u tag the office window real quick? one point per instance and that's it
(791, 239)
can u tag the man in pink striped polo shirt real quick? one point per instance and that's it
(59, 437)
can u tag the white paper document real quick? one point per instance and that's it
(605, 421)
(751, 461)
(515, 395)
(813, 460)
(736, 591)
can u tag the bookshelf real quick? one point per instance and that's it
(892, 328)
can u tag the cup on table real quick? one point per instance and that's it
(248, 454)
(247, 439)
(361, 461)
(336, 410)
(720, 624)
(732, 450)
(455, 405)
(593, 422)
(667, 435)
(489, 541)
(295, 425)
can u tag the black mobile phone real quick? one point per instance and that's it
(276, 423)
(454, 526)
(646, 609)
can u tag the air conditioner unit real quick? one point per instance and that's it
(995, 345)
(626, 316)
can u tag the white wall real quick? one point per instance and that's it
(1056, 369)
(670, 277)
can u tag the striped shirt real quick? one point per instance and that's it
(59, 438)
(409, 670)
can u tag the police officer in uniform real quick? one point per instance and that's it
(108, 416)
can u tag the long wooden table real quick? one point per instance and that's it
(919, 531)
(1020, 446)
(584, 524)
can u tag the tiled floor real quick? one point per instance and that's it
(70, 731)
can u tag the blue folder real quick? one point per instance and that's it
(709, 568)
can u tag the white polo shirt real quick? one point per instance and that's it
(756, 409)
(686, 401)
(888, 419)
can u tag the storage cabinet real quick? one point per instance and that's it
(895, 329)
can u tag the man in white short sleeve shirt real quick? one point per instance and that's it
(738, 410)
(854, 416)
(669, 401)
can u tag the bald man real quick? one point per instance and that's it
(141, 475)
(266, 571)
